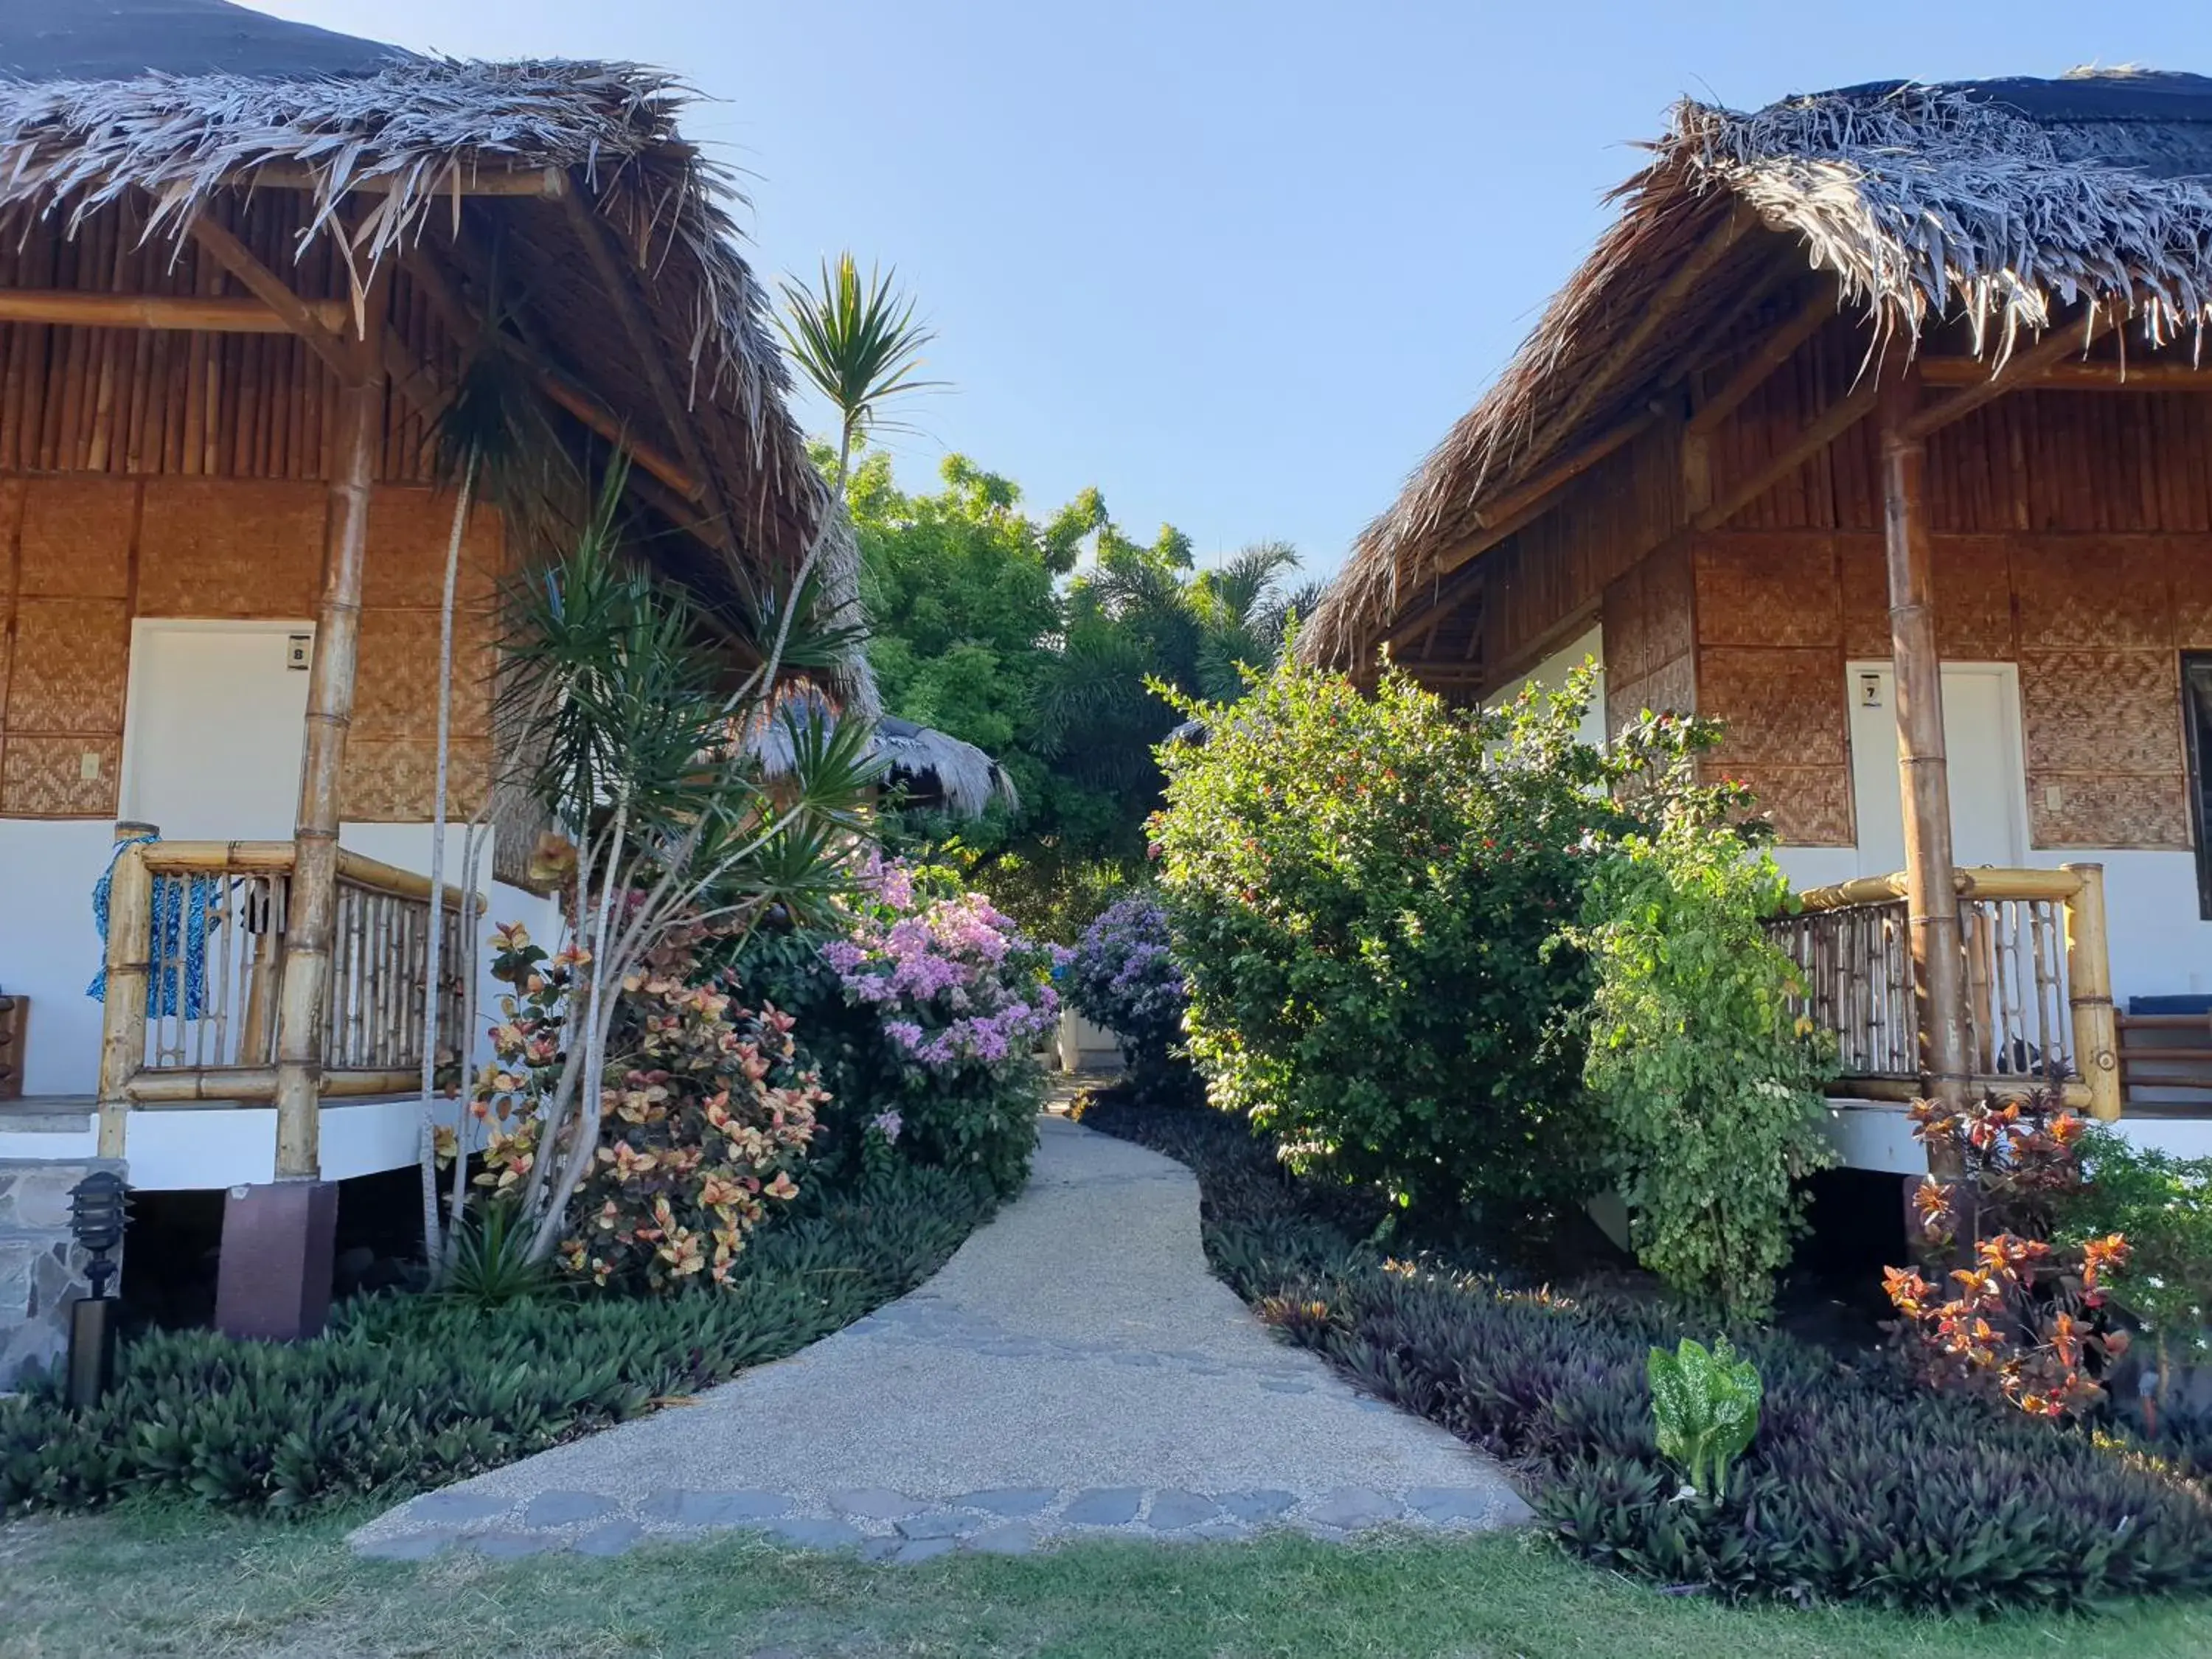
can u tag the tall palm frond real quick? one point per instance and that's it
(1241, 581)
(1272, 620)
(859, 345)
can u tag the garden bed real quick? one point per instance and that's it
(404, 1393)
(1860, 1487)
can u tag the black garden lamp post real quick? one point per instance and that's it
(99, 1208)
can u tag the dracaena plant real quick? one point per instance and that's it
(671, 826)
(1706, 1403)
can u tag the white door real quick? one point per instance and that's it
(1982, 746)
(212, 738)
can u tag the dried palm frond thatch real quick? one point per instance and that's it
(934, 767)
(1995, 205)
(383, 156)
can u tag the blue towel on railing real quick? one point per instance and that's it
(182, 904)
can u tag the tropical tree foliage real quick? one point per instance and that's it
(1041, 639)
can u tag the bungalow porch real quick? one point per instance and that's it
(239, 291)
(1906, 476)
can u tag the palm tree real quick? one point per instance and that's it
(859, 345)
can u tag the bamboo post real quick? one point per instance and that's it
(1931, 889)
(128, 964)
(2089, 993)
(313, 904)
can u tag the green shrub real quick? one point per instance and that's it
(1371, 899)
(1863, 1487)
(403, 1393)
(2162, 1204)
(1707, 1089)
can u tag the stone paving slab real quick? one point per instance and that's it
(1074, 1370)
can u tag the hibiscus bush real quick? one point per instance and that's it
(923, 1006)
(1122, 977)
(704, 1124)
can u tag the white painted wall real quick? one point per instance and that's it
(2160, 944)
(1878, 1135)
(48, 950)
(1551, 675)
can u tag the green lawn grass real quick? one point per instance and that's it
(174, 1580)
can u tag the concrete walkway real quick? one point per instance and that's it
(1074, 1368)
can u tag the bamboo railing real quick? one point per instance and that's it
(2037, 977)
(196, 956)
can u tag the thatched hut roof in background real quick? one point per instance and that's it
(934, 768)
(1991, 204)
(179, 101)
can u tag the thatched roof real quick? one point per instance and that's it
(179, 101)
(1991, 205)
(934, 767)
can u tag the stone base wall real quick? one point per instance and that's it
(42, 1269)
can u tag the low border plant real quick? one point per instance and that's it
(403, 1393)
(1861, 1487)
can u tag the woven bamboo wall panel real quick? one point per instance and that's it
(1779, 707)
(228, 547)
(1808, 805)
(1671, 688)
(1768, 590)
(2102, 711)
(1862, 570)
(1973, 599)
(1670, 599)
(1627, 639)
(70, 660)
(2189, 571)
(2098, 592)
(394, 780)
(396, 682)
(43, 777)
(2103, 810)
(75, 536)
(409, 530)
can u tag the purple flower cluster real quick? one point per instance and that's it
(955, 982)
(1123, 976)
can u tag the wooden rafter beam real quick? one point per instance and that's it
(323, 324)
(1446, 596)
(1656, 312)
(2065, 340)
(438, 288)
(1516, 508)
(274, 292)
(212, 314)
(616, 278)
(1771, 352)
(2102, 375)
(1817, 435)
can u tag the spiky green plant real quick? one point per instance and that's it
(858, 344)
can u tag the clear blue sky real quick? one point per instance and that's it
(1238, 264)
